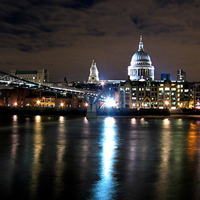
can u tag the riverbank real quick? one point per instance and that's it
(100, 112)
(131, 112)
(42, 111)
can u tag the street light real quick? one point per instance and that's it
(110, 102)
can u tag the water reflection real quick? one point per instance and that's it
(164, 168)
(108, 147)
(11, 158)
(85, 148)
(15, 138)
(166, 123)
(108, 158)
(105, 188)
(192, 141)
(36, 165)
(133, 121)
(61, 148)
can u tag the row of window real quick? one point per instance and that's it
(155, 89)
(141, 97)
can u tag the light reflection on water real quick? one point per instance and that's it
(37, 150)
(107, 158)
(61, 148)
(164, 168)
(106, 186)
(15, 137)
(192, 141)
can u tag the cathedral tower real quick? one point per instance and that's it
(94, 73)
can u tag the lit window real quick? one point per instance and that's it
(167, 88)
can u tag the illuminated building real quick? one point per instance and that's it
(181, 75)
(156, 94)
(197, 95)
(38, 76)
(141, 66)
(140, 90)
(20, 97)
(94, 73)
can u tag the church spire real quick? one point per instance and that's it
(141, 46)
(94, 73)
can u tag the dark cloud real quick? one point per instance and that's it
(139, 22)
(33, 20)
(95, 32)
(79, 4)
(66, 34)
(164, 3)
(24, 47)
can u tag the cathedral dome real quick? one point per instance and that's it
(141, 57)
(141, 66)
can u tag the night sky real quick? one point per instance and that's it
(64, 36)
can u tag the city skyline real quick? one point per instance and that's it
(65, 36)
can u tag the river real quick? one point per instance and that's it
(108, 158)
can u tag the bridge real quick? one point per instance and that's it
(10, 81)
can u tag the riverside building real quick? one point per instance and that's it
(140, 90)
(37, 76)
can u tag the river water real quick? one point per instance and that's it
(56, 157)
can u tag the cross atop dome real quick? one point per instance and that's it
(141, 46)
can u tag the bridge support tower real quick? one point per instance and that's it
(92, 110)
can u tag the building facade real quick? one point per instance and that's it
(181, 75)
(21, 97)
(37, 76)
(140, 90)
(158, 94)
